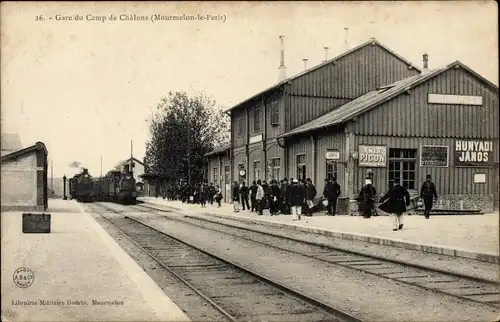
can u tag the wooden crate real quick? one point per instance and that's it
(36, 223)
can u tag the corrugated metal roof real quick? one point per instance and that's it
(369, 42)
(219, 150)
(366, 102)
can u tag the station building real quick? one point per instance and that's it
(370, 112)
(24, 178)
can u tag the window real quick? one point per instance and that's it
(215, 176)
(275, 114)
(275, 165)
(402, 165)
(256, 119)
(256, 170)
(301, 166)
(240, 125)
(227, 174)
(331, 169)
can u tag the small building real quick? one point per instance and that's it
(24, 179)
(219, 170)
(442, 122)
(137, 167)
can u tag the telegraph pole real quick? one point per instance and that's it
(101, 166)
(52, 177)
(131, 159)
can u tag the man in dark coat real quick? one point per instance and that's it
(395, 202)
(244, 196)
(265, 200)
(297, 197)
(274, 197)
(253, 193)
(428, 193)
(236, 197)
(285, 193)
(310, 195)
(367, 194)
(331, 193)
(211, 193)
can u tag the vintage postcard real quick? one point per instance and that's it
(249, 161)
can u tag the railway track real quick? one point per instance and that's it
(237, 293)
(464, 287)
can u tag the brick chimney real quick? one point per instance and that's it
(282, 68)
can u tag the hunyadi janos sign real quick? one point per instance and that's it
(372, 156)
(473, 153)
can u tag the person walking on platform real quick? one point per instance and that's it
(236, 197)
(203, 195)
(428, 193)
(297, 198)
(244, 196)
(218, 196)
(284, 200)
(259, 198)
(274, 197)
(395, 202)
(211, 193)
(368, 193)
(253, 192)
(310, 195)
(331, 193)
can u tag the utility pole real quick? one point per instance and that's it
(131, 159)
(189, 155)
(52, 178)
(101, 166)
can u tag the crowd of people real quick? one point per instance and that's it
(298, 197)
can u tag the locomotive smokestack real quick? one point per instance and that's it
(305, 63)
(282, 68)
(326, 54)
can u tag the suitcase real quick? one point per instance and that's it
(36, 223)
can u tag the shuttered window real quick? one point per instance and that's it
(275, 114)
(301, 166)
(256, 119)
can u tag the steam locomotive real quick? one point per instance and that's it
(115, 186)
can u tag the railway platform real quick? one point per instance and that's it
(473, 237)
(75, 273)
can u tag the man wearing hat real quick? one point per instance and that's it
(297, 198)
(397, 199)
(331, 193)
(285, 193)
(427, 193)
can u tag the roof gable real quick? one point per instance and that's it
(14, 155)
(372, 41)
(128, 161)
(219, 150)
(375, 98)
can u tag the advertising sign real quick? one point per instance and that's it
(434, 156)
(372, 156)
(474, 153)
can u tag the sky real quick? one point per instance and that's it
(86, 88)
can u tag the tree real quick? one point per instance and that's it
(183, 129)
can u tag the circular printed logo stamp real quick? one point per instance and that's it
(23, 277)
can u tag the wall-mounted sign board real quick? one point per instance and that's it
(454, 99)
(473, 153)
(434, 156)
(479, 177)
(332, 155)
(255, 139)
(372, 156)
